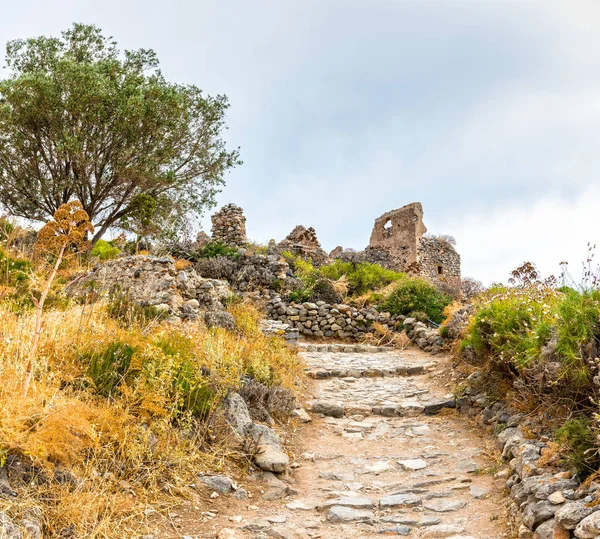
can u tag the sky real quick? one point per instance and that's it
(486, 112)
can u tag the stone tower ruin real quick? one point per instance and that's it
(398, 242)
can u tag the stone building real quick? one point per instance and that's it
(398, 241)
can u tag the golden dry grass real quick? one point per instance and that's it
(130, 449)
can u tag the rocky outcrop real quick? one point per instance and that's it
(154, 282)
(248, 272)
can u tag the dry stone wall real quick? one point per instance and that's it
(438, 260)
(229, 226)
(154, 282)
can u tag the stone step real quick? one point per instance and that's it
(407, 408)
(406, 369)
(345, 348)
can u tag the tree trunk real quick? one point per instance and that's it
(38, 322)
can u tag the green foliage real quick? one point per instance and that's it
(108, 367)
(14, 271)
(577, 439)
(110, 125)
(514, 324)
(416, 295)
(215, 249)
(362, 277)
(105, 250)
(576, 326)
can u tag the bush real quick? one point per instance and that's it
(416, 295)
(14, 271)
(362, 277)
(105, 250)
(109, 367)
(215, 249)
(577, 439)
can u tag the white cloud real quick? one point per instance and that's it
(546, 233)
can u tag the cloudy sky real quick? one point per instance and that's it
(487, 112)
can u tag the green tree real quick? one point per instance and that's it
(81, 120)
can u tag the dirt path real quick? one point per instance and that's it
(392, 461)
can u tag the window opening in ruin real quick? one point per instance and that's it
(388, 224)
(440, 270)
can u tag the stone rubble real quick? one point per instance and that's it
(154, 282)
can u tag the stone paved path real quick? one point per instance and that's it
(387, 464)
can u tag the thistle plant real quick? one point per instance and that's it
(57, 240)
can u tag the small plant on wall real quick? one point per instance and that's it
(57, 240)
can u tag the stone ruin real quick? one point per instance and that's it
(398, 242)
(150, 281)
(303, 242)
(229, 226)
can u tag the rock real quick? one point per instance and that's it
(589, 527)
(219, 319)
(413, 464)
(444, 506)
(262, 435)
(443, 530)
(329, 409)
(536, 513)
(572, 513)
(302, 415)
(434, 407)
(399, 529)
(8, 529)
(32, 527)
(220, 483)
(479, 493)
(551, 530)
(556, 498)
(352, 501)
(347, 514)
(237, 414)
(467, 466)
(395, 500)
(227, 533)
(241, 494)
(271, 459)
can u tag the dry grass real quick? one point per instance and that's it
(136, 446)
(383, 336)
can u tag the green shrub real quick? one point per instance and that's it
(576, 326)
(108, 367)
(577, 439)
(361, 277)
(105, 250)
(215, 249)
(414, 295)
(513, 325)
(14, 271)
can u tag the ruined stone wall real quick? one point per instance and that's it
(229, 226)
(438, 260)
(303, 242)
(398, 232)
